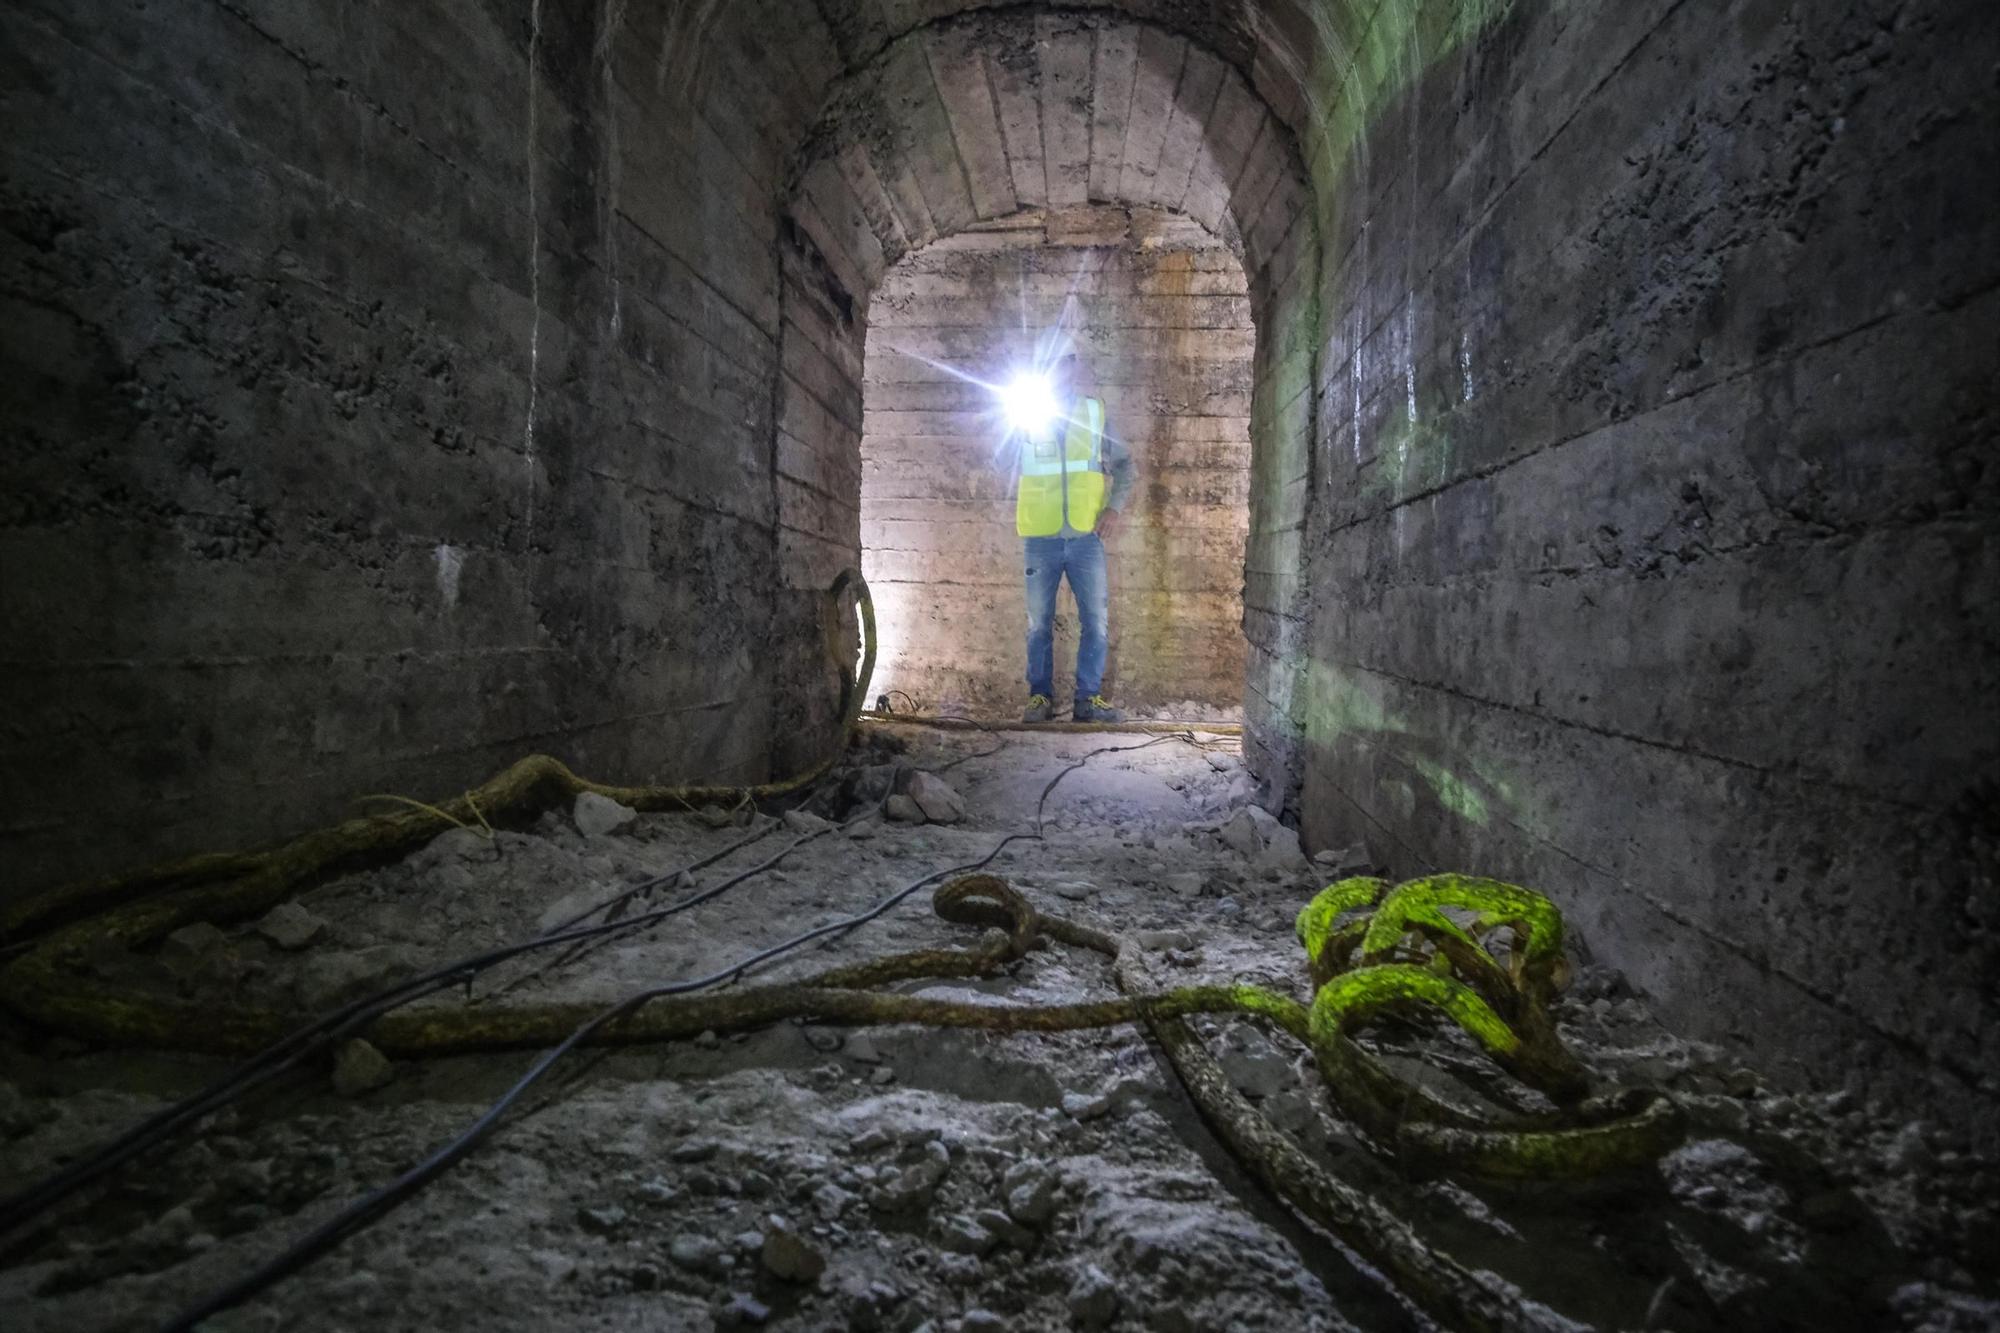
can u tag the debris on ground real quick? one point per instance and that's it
(806, 1177)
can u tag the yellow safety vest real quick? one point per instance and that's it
(1062, 474)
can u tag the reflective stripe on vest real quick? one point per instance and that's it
(1062, 476)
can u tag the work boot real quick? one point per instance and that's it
(1040, 709)
(1097, 709)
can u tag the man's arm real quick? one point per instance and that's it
(1120, 478)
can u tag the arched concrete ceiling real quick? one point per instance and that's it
(980, 116)
(1278, 46)
(1003, 93)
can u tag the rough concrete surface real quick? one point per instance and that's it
(1650, 556)
(808, 1177)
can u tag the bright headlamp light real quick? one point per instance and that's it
(1030, 403)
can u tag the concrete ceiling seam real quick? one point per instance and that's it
(922, 140)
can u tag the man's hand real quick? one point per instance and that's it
(1108, 523)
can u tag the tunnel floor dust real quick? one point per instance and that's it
(903, 1179)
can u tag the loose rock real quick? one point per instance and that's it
(962, 1235)
(359, 1068)
(597, 816)
(787, 1255)
(743, 1310)
(1031, 1193)
(607, 1220)
(936, 798)
(699, 1254)
(903, 809)
(1093, 1298)
(1240, 833)
(290, 926)
(804, 821)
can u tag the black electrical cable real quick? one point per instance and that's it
(288, 1051)
(384, 1199)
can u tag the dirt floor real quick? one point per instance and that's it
(804, 1177)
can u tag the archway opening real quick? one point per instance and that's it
(1158, 309)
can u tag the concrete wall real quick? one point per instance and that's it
(1161, 313)
(393, 392)
(1652, 559)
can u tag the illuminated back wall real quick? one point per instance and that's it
(1160, 314)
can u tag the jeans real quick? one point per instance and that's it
(1045, 560)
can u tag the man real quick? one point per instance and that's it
(1073, 478)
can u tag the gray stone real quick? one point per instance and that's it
(1075, 890)
(939, 801)
(903, 810)
(1085, 1106)
(1164, 939)
(567, 909)
(872, 1138)
(697, 1253)
(824, 1040)
(1241, 834)
(598, 816)
(1093, 1298)
(881, 1076)
(962, 1235)
(456, 847)
(742, 1310)
(1186, 884)
(358, 1067)
(830, 1201)
(290, 926)
(1006, 1229)
(604, 1220)
(789, 1256)
(1281, 853)
(981, 1321)
(860, 1046)
(804, 821)
(1031, 1200)
(913, 1186)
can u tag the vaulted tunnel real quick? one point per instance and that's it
(1564, 442)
